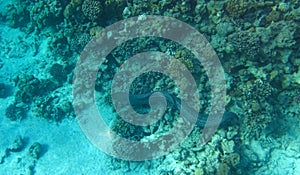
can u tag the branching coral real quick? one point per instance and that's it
(246, 42)
(237, 8)
(92, 9)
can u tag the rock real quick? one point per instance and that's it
(17, 145)
(4, 90)
(35, 150)
(1, 64)
(15, 112)
(3, 154)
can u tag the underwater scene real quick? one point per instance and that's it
(156, 87)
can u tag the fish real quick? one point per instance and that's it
(143, 99)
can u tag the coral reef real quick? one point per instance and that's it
(257, 43)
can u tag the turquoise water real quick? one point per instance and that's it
(62, 62)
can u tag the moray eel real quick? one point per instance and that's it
(143, 99)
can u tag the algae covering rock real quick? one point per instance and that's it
(1, 63)
(3, 154)
(46, 13)
(5, 90)
(35, 92)
(16, 111)
(17, 145)
(17, 15)
(28, 86)
(52, 107)
(35, 150)
(58, 72)
(71, 11)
